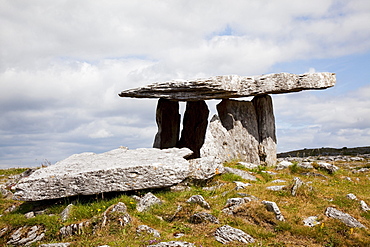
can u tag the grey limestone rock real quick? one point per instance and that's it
(233, 203)
(241, 185)
(272, 207)
(55, 245)
(116, 212)
(168, 122)
(297, 183)
(343, 217)
(25, 235)
(240, 120)
(194, 127)
(116, 170)
(248, 165)
(147, 201)
(283, 164)
(203, 217)
(328, 167)
(198, 199)
(311, 221)
(226, 234)
(241, 173)
(232, 86)
(74, 229)
(364, 206)
(149, 230)
(66, 212)
(351, 196)
(173, 244)
(266, 129)
(205, 168)
(276, 187)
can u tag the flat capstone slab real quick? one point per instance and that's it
(232, 86)
(117, 170)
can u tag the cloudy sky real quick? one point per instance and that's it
(62, 64)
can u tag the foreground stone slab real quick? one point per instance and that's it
(232, 86)
(117, 170)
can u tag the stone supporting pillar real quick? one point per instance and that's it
(240, 120)
(168, 122)
(194, 126)
(266, 129)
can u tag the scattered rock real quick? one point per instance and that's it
(178, 235)
(198, 199)
(149, 230)
(173, 244)
(241, 173)
(364, 206)
(283, 165)
(272, 207)
(25, 235)
(276, 187)
(116, 170)
(233, 203)
(147, 201)
(297, 183)
(241, 185)
(278, 181)
(66, 212)
(328, 167)
(10, 209)
(305, 165)
(248, 165)
(343, 217)
(351, 196)
(116, 212)
(29, 215)
(3, 231)
(313, 174)
(226, 234)
(311, 221)
(55, 245)
(203, 217)
(74, 229)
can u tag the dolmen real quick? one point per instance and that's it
(242, 129)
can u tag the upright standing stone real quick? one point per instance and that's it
(168, 121)
(266, 129)
(240, 120)
(194, 126)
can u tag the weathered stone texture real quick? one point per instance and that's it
(116, 170)
(168, 122)
(194, 127)
(266, 129)
(232, 86)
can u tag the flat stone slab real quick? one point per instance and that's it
(117, 170)
(232, 86)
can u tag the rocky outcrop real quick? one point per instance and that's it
(232, 86)
(117, 170)
(168, 122)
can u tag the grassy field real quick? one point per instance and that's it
(312, 199)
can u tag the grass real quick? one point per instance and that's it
(312, 199)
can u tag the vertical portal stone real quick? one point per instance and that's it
(266, 129)
(168, 122)
(240, 120)
(194, 126)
